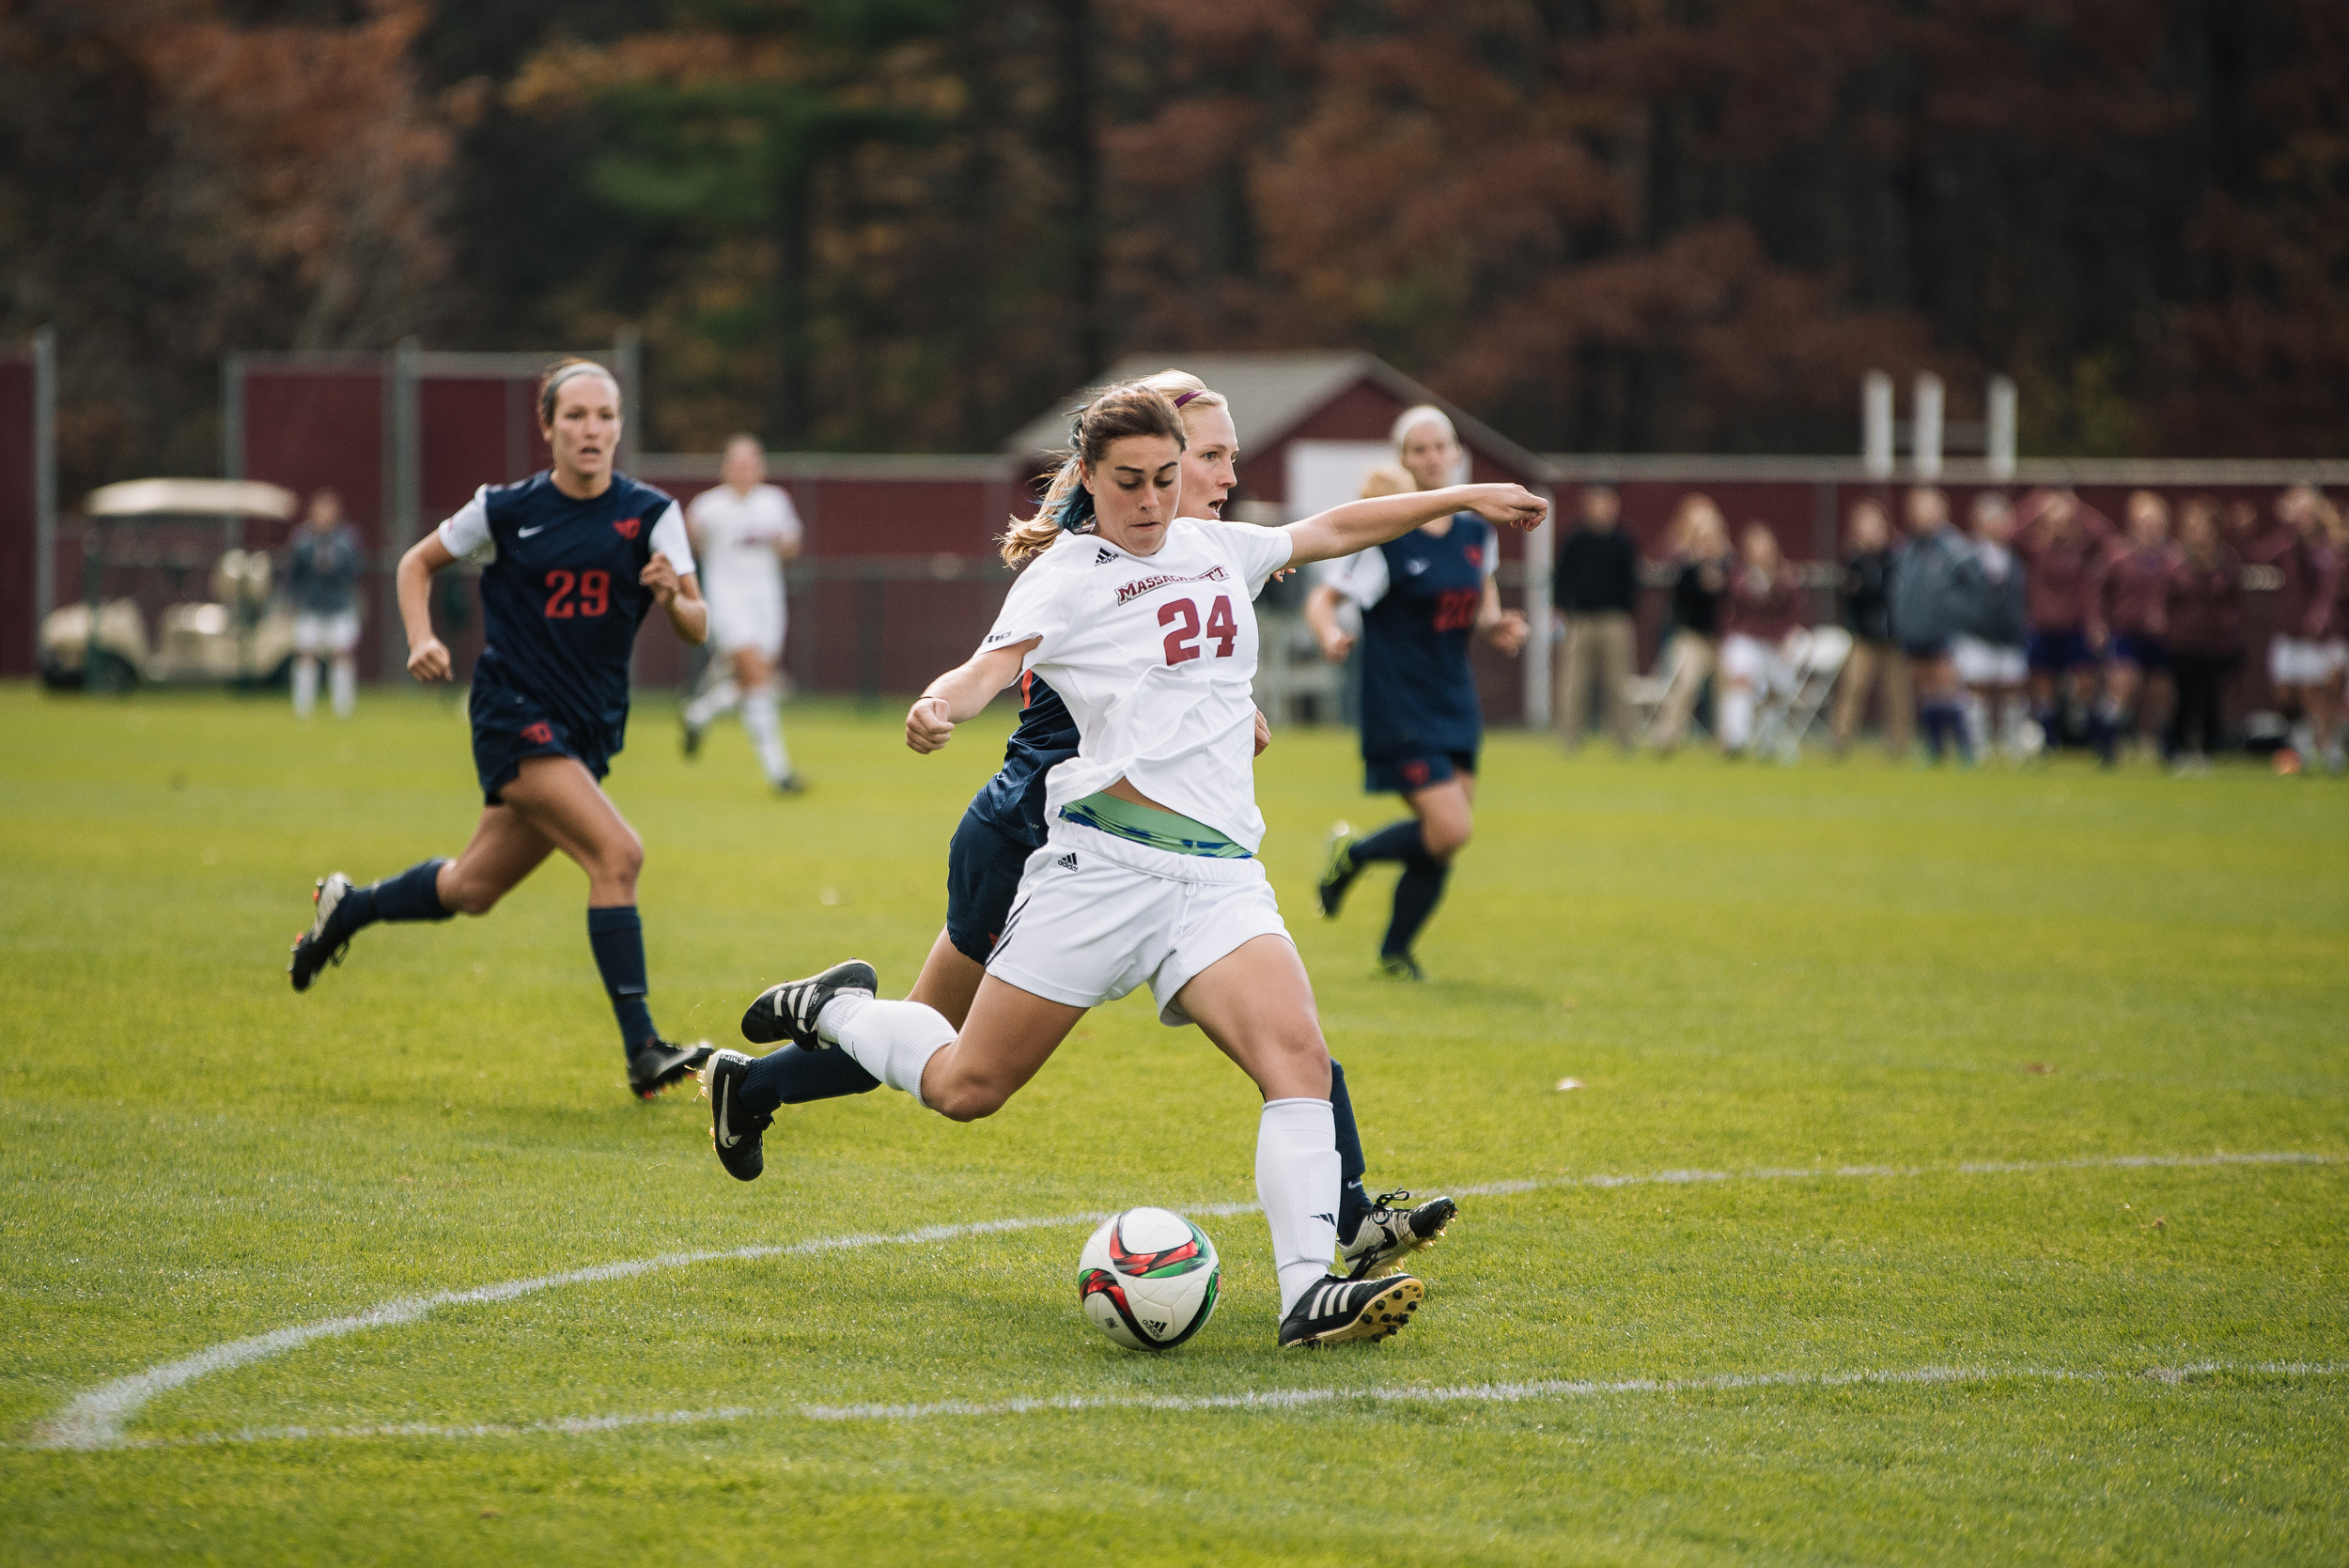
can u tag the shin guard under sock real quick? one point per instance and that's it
(1353, 1199)
(1416, 894)
(619, 937)
(1296, 1181)
(891, 1040)
(795, 1076)
(412, 894)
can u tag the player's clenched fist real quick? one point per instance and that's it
(428, 659)
(930, 724)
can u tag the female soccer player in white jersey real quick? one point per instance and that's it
(1003, 825)
(744, 529)
(572, 559)
(1140, 619)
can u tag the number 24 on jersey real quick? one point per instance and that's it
(1182, 644)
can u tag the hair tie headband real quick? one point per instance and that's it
(1186, 396)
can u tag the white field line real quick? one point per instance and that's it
(1267, 1399)
(96, 1420)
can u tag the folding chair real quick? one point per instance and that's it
(1818, 657)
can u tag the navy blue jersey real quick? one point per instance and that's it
(1419, 688)
(560, 602)
(1013, 801)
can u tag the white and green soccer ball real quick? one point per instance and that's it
(1148, 1279)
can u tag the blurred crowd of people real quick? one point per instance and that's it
(2039, 623)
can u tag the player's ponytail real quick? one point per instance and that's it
(1132, 408)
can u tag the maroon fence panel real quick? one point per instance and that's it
(20, 513)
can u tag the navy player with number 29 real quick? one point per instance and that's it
(1422, 595)
(572, 560)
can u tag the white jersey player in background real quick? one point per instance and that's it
(743, 531)
(1141, 619)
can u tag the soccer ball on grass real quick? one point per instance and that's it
(1147, 1279)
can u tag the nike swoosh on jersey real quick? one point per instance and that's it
(1415, 567)
(525, 533)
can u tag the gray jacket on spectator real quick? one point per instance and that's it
(1939, 589)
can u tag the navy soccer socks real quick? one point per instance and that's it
(412, 894)
(1353, 1199)
(619, 937)
(1419, 889)
(795, 1076)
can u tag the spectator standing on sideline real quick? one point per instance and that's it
(322, 580)
(743, 532)
(1593, 585)
(2062, 542)
(1762, 610)
(1938, 588)
(1700, 538)
(1866, 593)
(2133, 612)
(1989, 656)
(2205, 619)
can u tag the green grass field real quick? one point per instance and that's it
(2005, 1337)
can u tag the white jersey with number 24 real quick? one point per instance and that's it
(1155, 658)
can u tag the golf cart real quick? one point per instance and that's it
(240, 635)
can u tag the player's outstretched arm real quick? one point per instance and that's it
(1359, 524)
(428, 657)
(961, 694)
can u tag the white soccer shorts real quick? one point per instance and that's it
(317, 634)
(2299, 661)
(1097, 916)
(736, 625)
(1981, 664)
(1758, 664)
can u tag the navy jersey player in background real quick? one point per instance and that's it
(573, 558)
(1002, 826)
(1421, 597)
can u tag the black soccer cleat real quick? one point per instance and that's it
(1336, 1311)
(315, 948)
(690, 737)
(1338, 869)
(735, 1131)
(1387, 1234)
(656, 1064)
(1400, 966)
(789, 1010)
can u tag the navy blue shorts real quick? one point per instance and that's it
(1407, 775)
(2054, 652)
(983, 866)
(507, 727)
(2149, 654)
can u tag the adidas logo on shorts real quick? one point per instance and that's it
(1104, 556)
(1067, 863)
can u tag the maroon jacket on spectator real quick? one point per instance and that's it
(2205, 605)
(1764, 610)
(2304, 600)
(2061, 584)
(2134, 590)
(2325, 582)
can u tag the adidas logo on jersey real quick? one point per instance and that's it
(1066, 862)
(1103, 557)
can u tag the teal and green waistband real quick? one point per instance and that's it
(1169, 830)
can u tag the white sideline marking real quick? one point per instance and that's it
(1268, 1399)
(95, 1419)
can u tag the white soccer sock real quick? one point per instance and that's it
(346, 687)
(1297, 1182)
(1977, 720)
(891, 1040)
(305, 687)
(1737, 717)
(759, 717)
(710, 704)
